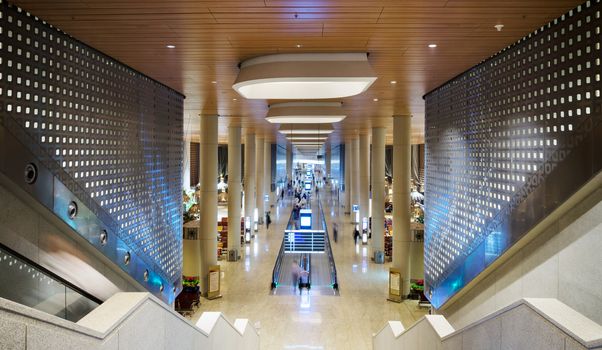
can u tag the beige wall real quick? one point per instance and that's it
(563, 262)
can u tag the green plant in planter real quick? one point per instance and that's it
(190, 282)
(417, 286)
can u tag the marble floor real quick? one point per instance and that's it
(315, 320)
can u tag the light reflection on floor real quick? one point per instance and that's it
(314, 320)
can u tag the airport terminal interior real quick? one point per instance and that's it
(282, 174)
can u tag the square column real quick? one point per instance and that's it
(401, 198)
(208, 217)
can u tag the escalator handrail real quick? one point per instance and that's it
(278, 264)
(333, 267)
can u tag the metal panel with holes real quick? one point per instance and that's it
(103, 141)
(507, 142)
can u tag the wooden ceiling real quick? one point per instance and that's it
(212, 37)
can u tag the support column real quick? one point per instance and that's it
(347, 177)
(378, 190)
(234, 187)
(327, 160)
(355, 176)
(267, 173)
(289, 161)
(208, 218)
(364, 170)
(249, 176)
(186, 165)
(401, 198)
(259, 180)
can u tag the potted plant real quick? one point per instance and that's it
(417, 288)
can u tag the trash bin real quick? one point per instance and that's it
(232, 255)
(379, 257)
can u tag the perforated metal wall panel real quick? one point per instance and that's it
(507, 142)
(109, 136)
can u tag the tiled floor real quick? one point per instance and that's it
(314, 321)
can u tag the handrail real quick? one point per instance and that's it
(19, 269)
(278, 264)
(333, 267)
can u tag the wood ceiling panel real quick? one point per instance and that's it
(212, 37)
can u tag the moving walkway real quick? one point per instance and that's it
(309, 249)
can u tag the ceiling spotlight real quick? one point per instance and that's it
(170, 46)
(499, 27)
(432, 46)
(306, 112)
(375, 99)
(304, 76)
(234, 99)
(393, 81)
(299, 46)
(213, 82)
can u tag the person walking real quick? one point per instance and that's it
(268, 220)
(335, 231)
(356, 234)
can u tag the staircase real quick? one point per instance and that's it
(533, 323)
(124, 321)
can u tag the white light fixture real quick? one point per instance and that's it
(213, 82)
(313, 138)
(297, 129)
(306, 112)
(499, 27)
(432, 46)
(393, 81)
(170, 46)
(304, 76)
(375, 99)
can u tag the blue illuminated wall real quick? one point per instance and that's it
(103, 137)
(507, 142)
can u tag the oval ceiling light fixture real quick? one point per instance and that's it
(304, 76)
(306, 112)
(307, 137)
(299, 129)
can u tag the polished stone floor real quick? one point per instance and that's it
(315, 320)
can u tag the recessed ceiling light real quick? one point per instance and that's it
(432, 45)
(299, 46)
(375, 99)
(393, 81)
(304, 76)
(170, 46)
(213, 82)
(234, 99)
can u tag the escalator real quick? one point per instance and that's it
(30, 284)
(308, 249)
